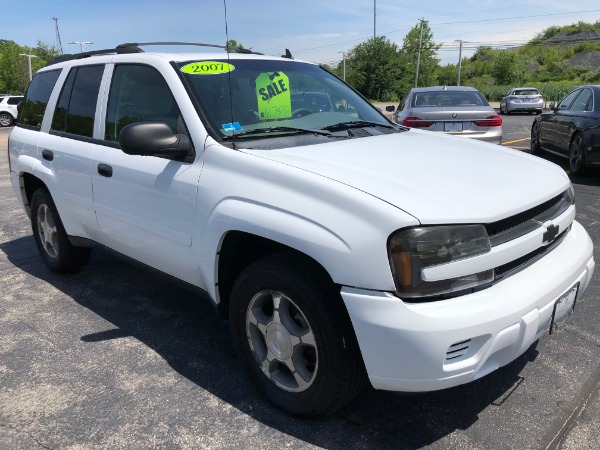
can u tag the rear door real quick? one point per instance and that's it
(66, 150)
(552, 126)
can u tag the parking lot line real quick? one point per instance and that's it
(516, 140)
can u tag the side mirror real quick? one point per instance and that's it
(390, 108)
(153, 139)
(553, 106)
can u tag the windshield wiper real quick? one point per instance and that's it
(355, 124)
(276, 130)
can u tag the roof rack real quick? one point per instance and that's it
(134, 47)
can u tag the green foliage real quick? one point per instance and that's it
(233, 46)
(14, 71)
(373, 68)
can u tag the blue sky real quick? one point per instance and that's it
(313, 30)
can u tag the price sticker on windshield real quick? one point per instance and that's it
(273, 96)
(207, 68)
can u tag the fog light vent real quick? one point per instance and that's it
(457, 350)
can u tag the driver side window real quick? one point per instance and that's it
(139, 93)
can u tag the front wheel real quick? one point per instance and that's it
(50, 236)
(293, 334)
(577, 156)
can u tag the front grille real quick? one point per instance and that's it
(525, 222)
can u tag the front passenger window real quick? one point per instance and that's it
(139, 93)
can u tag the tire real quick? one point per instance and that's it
(50, 236)
(6, 120)
(304, 358)
(536, 148)
(577, 156)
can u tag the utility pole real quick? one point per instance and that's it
(419, 54)
(58, 42)
(344, 62)
(374, 18)
(459, 61)
(28, 63)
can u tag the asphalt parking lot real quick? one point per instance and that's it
(113, 357)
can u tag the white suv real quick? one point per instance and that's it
(8, 109)
(340, 246)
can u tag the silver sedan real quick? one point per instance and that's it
(523, 99)
(456, 110)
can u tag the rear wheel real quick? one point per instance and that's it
(535, 139)
(577, 156)
(50, 236)
(6, 120)
(293, 334)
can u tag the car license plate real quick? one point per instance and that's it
(453, 126)
(563, 308)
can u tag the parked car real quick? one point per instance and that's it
(457, 110)
(341, 247)
(8, 109)
(571, 128)
(524, 99)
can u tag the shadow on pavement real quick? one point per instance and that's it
(187, 333)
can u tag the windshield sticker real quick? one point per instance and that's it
(273, 96)
(230, 127)
(207, 68)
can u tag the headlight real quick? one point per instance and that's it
(415, 249)
(569, 195)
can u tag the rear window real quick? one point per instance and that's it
(526, 92)
(447, 98)
(36, 98)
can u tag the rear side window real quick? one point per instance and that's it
(14, 100)
(76, 105)
(36, 99)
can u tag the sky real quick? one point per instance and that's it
(314, 30)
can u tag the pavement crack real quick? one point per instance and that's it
(16, 430)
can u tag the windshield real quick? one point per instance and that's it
(250, 99)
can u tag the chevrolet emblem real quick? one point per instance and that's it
(550, 234)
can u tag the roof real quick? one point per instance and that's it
(443, 88)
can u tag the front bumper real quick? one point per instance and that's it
(410, 347)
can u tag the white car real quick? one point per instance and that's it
(8, 109)
(340, 246)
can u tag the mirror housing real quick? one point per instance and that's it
(553, 106)
(153, 139)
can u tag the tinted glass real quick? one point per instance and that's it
(76, 105)
(14, 100)
(36, 98)
(526, 92)
(139, 93)
(448, 98)
(583, 102)
(566, 102)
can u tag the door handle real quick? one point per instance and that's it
(48, 155)
(105, 170)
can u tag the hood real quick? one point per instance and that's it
(434, 177)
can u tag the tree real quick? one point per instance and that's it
(233, 46)
(509, 68)
(373, 68)
(14, 70)
(428, 60)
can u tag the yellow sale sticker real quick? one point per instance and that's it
(273, 96)
(207, 68)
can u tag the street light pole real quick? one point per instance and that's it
(419, 54)
(459, 61)
(374, 18)
(344, 64)
(81, 44)
(28, 62)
